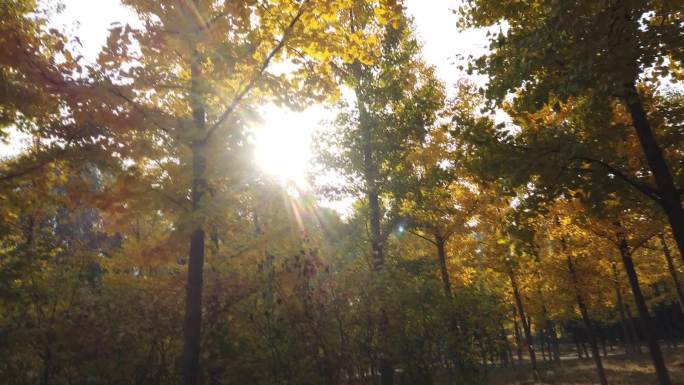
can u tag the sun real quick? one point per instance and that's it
(283, 143)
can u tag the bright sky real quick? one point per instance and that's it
(284, 141)
(434, 19)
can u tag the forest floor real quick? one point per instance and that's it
(619, 369)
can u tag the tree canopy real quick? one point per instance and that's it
(140, 242)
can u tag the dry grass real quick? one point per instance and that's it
(619, 370)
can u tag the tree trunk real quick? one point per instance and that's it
(587, 324)
(441, 253)
(193, 305)
(628, 343)
(554, 343)
(577, 345)
(371, 187)
(552, 339)
(376, 241)
(673, 272)
(440, 243)
(47, 360)
(508, 353)
(525, 323)
(542, 342)
(378, 260)
(385, 365)
(670, 198)
(645, 318)
(633, 330)
(602, 338)
(483, 355)
(518, 339)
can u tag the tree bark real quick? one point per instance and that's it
(370, 175)
(554, 342)
(577, 345)
(670, 198)
(629, 343)
(508, 353)
(587, 324)
(483, 354)
(647, 325)
(440, 243)
(673, 272)
(441, 253)
(554, 349)
(602, 338)
(47, 360)
(542, 340)
(370, 172)
(633, 330)
(518, 339)
(193, 305)
(525, 323)
(385, 365)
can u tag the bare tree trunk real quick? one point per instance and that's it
(554, 343)
(633, 330)
(577, 345)
(193, 305)
(441, 253)
(644, 316)
(47, 360)
(670, 198)
(673, 272)
(602, 338)
(378, 260)
(518, 338)
(587, 324)
(483, 354)
(526, 326)
(552, 339)
(440, 243)
(508, 352)
(627, 341)
(542, 342)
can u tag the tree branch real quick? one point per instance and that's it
(422, 236)
(645, 189)
(257, 75)
(47, 158)
(641, 242)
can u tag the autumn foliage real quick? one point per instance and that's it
(140, 244)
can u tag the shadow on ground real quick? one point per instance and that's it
(619, 370)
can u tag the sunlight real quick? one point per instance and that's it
(283, 143)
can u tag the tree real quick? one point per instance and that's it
(554, 51)
(672, 270)
(617, 236)
(43, 81)
(185, 79)
(563, 232)
(396, 98)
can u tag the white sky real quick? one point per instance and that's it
(443, 43)
(434, 20)
(435, 26)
